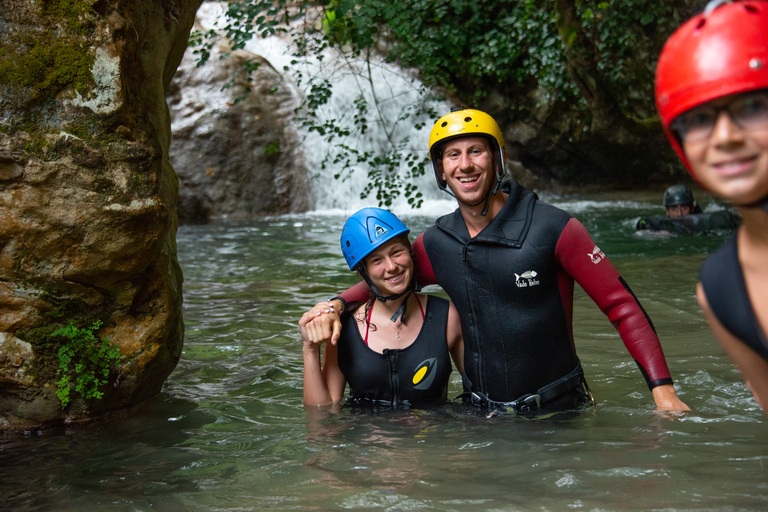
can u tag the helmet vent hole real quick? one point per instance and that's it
(444, 124)
(467, 119)
(348, 243)
(700, 25)
(755, 64)
(751, 8)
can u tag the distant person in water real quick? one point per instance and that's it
(683, 216)
(678, 201)
(712, 96)
(394, 349)
(508, 262)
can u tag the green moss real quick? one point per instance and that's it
(77, 14)
(40, 61)
(37, 145)
(79, 130)
(45, 348)
(64, 308)
(47, 64)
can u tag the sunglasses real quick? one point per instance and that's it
(746, 111)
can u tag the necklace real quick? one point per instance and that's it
(397, 334)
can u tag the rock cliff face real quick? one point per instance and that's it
(235, 152)
(87, 198)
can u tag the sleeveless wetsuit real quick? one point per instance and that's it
(417, 374)
(512, 285)
(723, 282)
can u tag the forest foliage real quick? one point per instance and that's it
(588, 64)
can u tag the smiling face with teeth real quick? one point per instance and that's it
(468, 168)
(732, 162)
(390, 267)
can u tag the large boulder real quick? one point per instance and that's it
(235, 149)
(87, 200)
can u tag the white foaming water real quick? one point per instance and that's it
(388, 90)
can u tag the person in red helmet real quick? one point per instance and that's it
(509, 262)
(712, 97)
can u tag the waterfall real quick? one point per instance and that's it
(385, 86)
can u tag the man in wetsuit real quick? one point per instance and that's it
(508, 262)
(685, 217)
(678, 201)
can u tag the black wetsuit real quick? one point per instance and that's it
(415, 375)
(723, 282)
(711, 222)
(512, 285)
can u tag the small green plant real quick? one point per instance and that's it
(272, 148)
(84, 359)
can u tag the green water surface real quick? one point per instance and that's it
(229, 432)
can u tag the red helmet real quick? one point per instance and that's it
(720, 52)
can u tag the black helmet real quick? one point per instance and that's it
(678, 194)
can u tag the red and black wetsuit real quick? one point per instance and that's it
(512, 285)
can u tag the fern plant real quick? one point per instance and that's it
(84, 360)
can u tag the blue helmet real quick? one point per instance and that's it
(367, 230)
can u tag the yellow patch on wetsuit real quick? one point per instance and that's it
(420, 373)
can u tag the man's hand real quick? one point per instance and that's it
(666, 398)
(321, 324)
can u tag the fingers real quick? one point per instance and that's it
(336, 331)
(321, 324)
(323, 307)
(325, 327)
(305, 318)
(319, 329)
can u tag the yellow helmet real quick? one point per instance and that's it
(465, 123)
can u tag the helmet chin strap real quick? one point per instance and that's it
(401, 311)
(488, 197)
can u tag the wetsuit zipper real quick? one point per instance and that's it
(392, 355)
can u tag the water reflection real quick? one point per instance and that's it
(230, 432)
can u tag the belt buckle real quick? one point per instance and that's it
(477, 400)
(528, 403)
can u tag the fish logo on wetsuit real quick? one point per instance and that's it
(596, 255)
(424, 374)
(526, 279)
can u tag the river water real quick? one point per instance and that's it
(229, 432)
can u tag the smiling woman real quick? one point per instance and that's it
(716, 118)
(394, 350)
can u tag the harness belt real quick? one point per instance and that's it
(533, 401)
